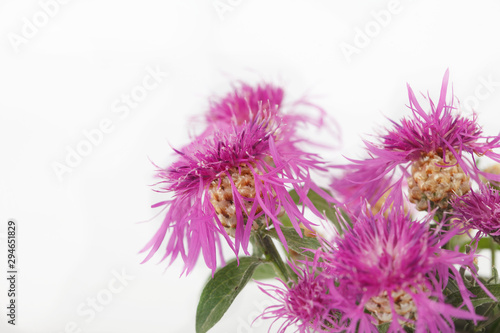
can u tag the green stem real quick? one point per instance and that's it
(272, 254)
(489, 321)
(493, 248)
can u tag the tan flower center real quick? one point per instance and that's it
(221, 196)
(380, 306)
(435, 181)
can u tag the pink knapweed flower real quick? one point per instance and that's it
(440, 148)
(246, 101)
(479, 209)
(395, 271)
(227, 183)
(306, 305)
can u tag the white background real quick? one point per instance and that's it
(65, 77)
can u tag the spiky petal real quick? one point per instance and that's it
(479, 209)
(397, 270)
(245, 102)
(210, 169)
(442, 132)
(306, 305)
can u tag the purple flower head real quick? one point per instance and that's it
(307, 304)
(246, 102)
(440, 147)
(395, 270)
(227, 184)
(480, 210)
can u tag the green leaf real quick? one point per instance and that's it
(383, 328)
(456, 300)
(294, 241)
(286, 220)
(220, 292)
(493, 324)
(486, 243)
(264, 272)
(322, 205)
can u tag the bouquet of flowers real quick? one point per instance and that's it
(405, 223)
